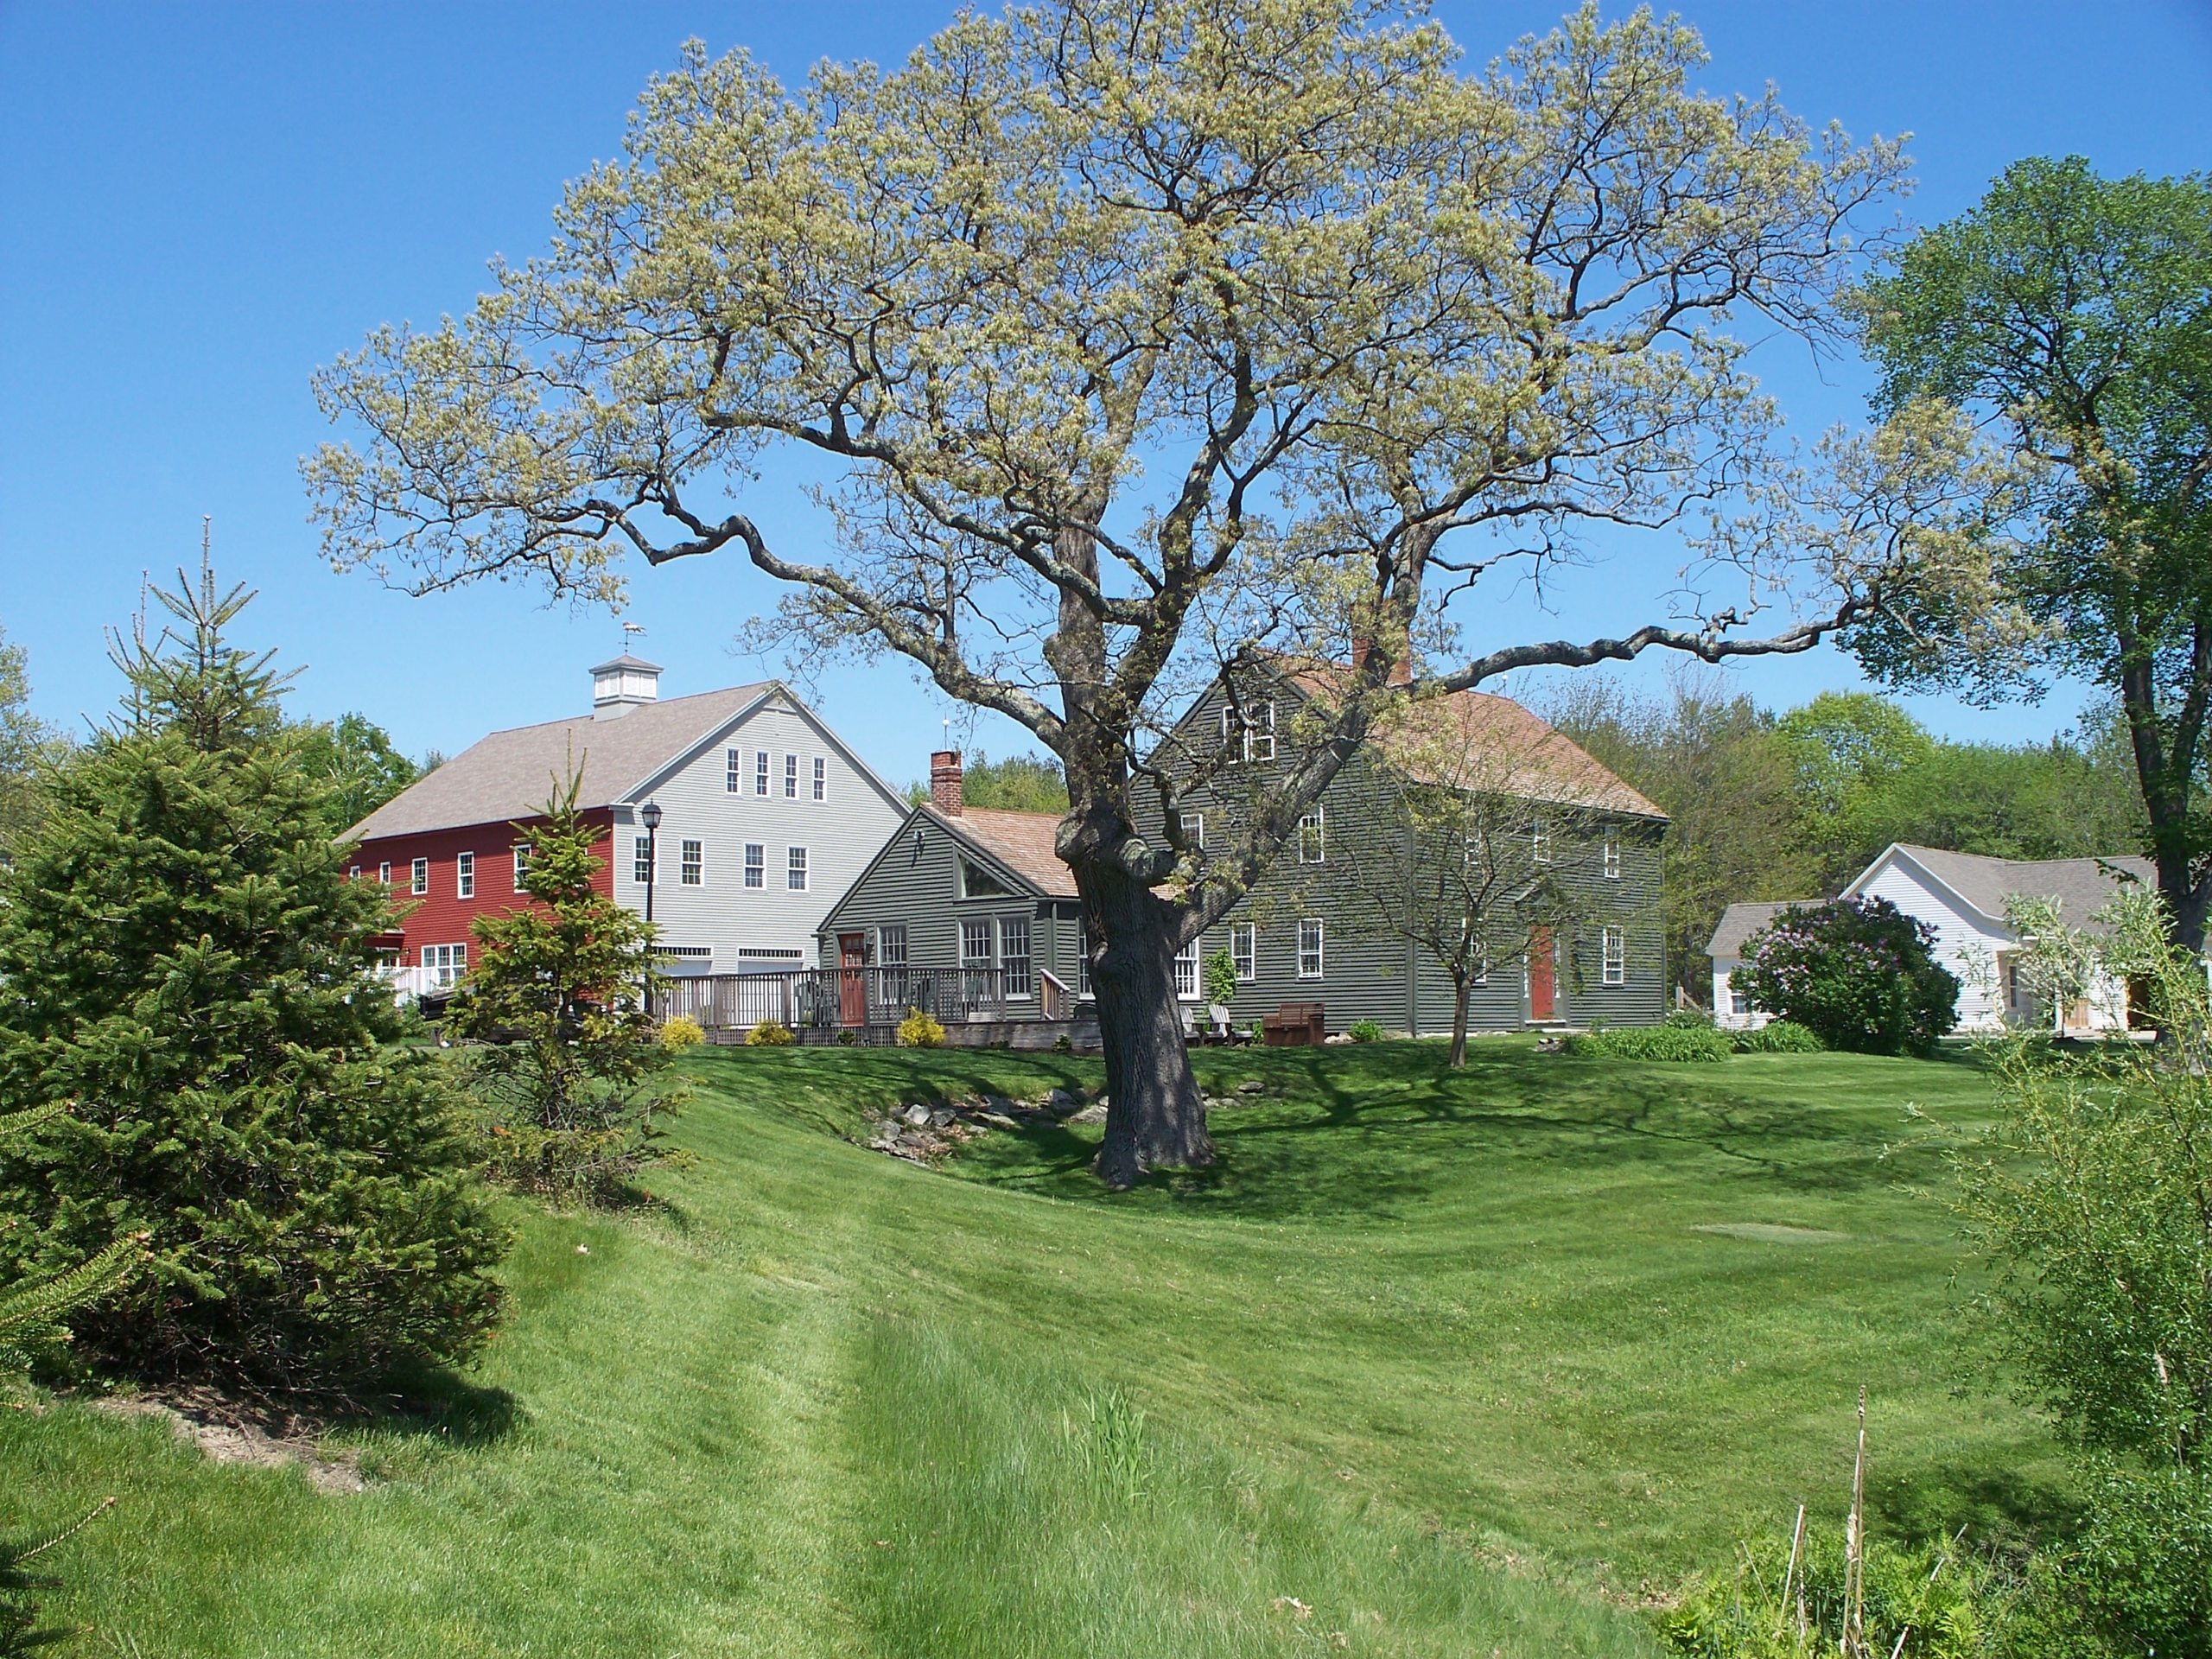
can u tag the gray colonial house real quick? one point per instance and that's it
(971, 915)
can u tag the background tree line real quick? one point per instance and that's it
(1792, 805)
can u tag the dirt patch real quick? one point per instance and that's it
(1764, 1232)
(229, 1431)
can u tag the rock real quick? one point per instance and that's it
(940, 1117)
(1093, 1114)
(1341, 1037)
(1251, 1086)
(1063, 1103)
(999, 1120)
(917, 1115)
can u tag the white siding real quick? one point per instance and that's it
(1724, 1008)
(841, 833)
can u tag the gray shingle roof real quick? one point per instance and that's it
(509, 774)
(2082, 885)
(1739, 922)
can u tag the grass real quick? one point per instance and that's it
(1431, 1358)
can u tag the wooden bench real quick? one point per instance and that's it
(1294, 1025)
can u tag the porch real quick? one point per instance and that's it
(864, 1005)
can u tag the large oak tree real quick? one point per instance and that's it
(1139, 340)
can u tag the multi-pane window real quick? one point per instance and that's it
(1614, 946)
(465, 876)
(791, 776)
(1243, 943)
(734, 778)
(1194, 828)
(445, 963)
(795, 868)
(695, 863)
(1313, 837)
(1187, 972)
(353, 874)
(821, 778)
(891, 945)
(1739, 1002)
(760, 771)
(1309, 948)
(1613, 854)
(1540, 841)
(1249, 736)
(1013, 954)
(521, 863)
(384, 873)
(975, 944)
(641, 860)
(1083, 958)
(756, 864)
(422, 882)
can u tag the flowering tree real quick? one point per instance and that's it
(1859, 973)
(1136, 339)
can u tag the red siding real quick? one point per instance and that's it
(441, 916)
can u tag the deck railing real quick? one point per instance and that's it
(827, 998)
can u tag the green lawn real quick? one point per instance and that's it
(1435, 1356)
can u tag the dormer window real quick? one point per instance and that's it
(975, 882)
(1249, 735)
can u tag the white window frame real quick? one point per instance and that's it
(1244, 950)
(383, 872)
(1481, 952)
(1258, 736)
(1739, 1000)
(1612, 854)
(1540, 841)
(1193, 825)
(643, 855)
(419, 877)
(791, 776)
(1082, 958)
(445, 964)
(734, 780)
(759, 771)
(464, 875)
(887, 935)
(1186, 973)
(756, 864)
(974, 929)
(1010, 927)
(1317, 821)
(795, 869)
(354, 873)
(691, 867)
(1311, 928)
(821, 777)
(1613, 945)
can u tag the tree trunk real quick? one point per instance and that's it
(1155, 1118)
(1463, 991)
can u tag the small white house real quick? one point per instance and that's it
(1961, 896)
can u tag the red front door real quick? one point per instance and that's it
(1543, 990)
(852, 979)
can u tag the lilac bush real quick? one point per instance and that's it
(1860, 974)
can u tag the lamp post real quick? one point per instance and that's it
(650, 816)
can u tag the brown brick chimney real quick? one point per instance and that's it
(944, 782)
(1401, 673)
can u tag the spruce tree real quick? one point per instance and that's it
(570, 1076)
(186, 964)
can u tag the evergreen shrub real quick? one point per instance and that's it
(1859, 974)
(185, 964)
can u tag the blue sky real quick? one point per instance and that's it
(202, 204)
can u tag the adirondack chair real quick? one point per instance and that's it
(1294, 1025)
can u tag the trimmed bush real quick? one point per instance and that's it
(770, 1033)
(920, 1030)
(1365, 1031)
(681, 1032)
(1859, 974)
(1778, 1037)
(1691, 1044)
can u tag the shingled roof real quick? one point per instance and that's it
(1023, 841)
(508, 775)
(1739, 922)
(2082, 886)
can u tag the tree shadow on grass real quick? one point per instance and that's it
(2001, 1505)
(433, 1402)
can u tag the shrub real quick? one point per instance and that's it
(920, 1030)
(1220, 977)
(1778, 1037)
(680, 1034)
(1365, 1031)
(1858, 973)
(1688, 1019)
(570, 1084)
(769, 1034)
(1692, 1044)
(185, 960)
(1063, 1044)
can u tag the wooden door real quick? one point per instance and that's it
(852, 979)
(1544, 984)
